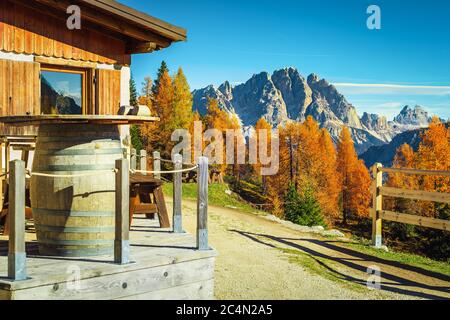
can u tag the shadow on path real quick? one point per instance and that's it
(395, 281)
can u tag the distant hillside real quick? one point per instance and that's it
(385, 154)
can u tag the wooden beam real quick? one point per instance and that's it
(415, 220)
(416, 194)
(17, 269)
(417, 171)
(122, 238)
(202, 204)
(377, 205)
(65, 62)
(157, 164)
(177, 194)
(142, 47)
(133, 160)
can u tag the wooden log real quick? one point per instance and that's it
(177, 194)
(143, 161)
(122, 237)
(133, 162)
(417, 171)
(202, 204)
(416, 194)
(17, 254)
(157, 164)
(377, 205)
(415, 220)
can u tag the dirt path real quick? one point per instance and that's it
(260, 259)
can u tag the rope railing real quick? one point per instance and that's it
(164, 172)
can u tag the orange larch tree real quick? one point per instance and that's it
(354, 178)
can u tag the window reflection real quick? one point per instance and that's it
(61, 92)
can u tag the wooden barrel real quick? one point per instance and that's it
(75, 216)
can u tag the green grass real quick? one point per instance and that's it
(216, 195)
(405, 258)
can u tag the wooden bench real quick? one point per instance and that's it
(147, 197)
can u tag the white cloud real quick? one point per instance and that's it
(392, 89)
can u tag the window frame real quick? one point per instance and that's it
(86, 78)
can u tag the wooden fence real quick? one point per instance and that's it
(17, 266)
(379, 214)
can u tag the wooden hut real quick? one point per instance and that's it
(46, 68)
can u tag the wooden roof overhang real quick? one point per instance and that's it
(141, 32)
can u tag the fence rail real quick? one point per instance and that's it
(379, 214)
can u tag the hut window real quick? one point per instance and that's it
(63, 91)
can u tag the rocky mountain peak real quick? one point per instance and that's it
(413, 116)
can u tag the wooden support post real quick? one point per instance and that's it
(202, 204)
(377, 206)
(177, 194)
(17, 254)
(133, 161)
(143, 161)
(122, 238)
(157, 164)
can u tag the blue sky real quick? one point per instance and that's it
(379, 71)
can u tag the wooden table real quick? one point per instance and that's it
(74, 215)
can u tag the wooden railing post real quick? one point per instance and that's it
(157, 164)
(177, 194)
(143, 161)
(377, 205)
(122, 237)
(133, 162)
(17, 269)
(202, 204)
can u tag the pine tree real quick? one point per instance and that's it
(303, 209)
(262, 124)
(162, 69)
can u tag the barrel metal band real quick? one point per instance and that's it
(69, 213)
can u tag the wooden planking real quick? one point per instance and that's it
(203, 290)
(417, 171)
(19, 93)
(416, 220)
(24, 30)
(415, 194)
(125, 284)
(108, 92)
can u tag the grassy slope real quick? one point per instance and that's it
(218, 197)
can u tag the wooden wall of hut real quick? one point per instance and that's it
(26, 31)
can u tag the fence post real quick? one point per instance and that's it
(377, 205)
(177, 194)
(143, 162)
(202, 204)
(157, 164)
(133, 157)
(17, 269)
(122, 237)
